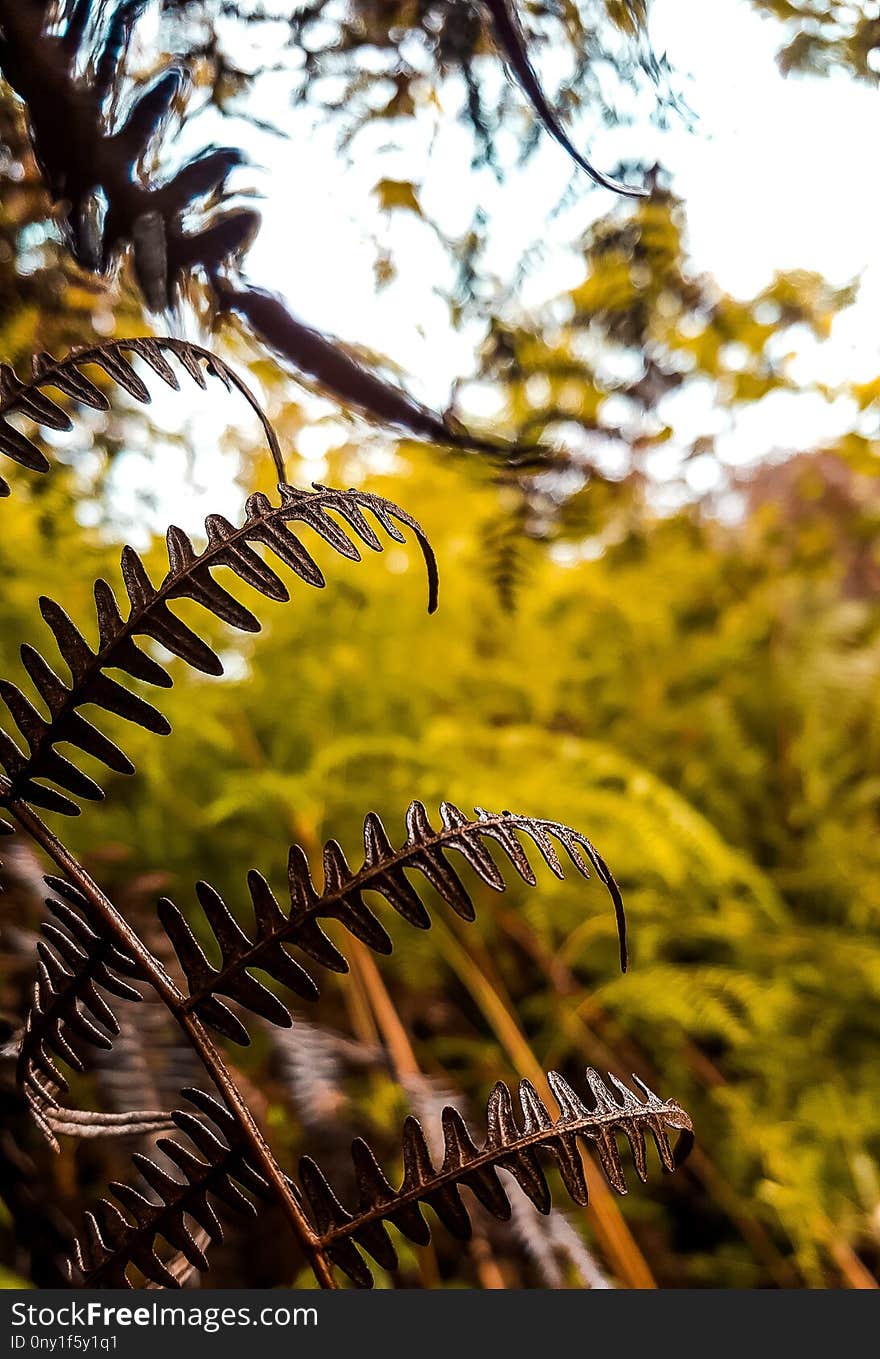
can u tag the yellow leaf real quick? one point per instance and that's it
(397, 194)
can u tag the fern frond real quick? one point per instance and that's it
(77, 965)
(384, 870)
(113, 1241)
(613, 1111)
(334, 368)
(188, 577)
(504, 540)
(65, 375)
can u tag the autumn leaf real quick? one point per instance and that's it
(398, 195)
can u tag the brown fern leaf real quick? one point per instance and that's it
(113, 1242)
(335, 369)
(614, 1110)
(100, 171)
(69, 1008)
(384, 870)
(65, 375)
(188, 577)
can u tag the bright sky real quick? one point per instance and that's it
(778, 173)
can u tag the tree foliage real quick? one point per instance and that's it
(821, 38)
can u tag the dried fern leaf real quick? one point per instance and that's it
(149, 615)
(78, 967)
(65, 375)
(614, 1110)
(384, 871)
(113, 1242)
(117, 1237)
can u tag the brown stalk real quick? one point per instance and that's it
(405, 1063)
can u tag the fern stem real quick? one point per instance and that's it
(128, 940)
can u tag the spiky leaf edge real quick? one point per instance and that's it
(113, 1242)
(188, 577)
(28, 399)
(383, 871)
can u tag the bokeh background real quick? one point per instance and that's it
(669, 638)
